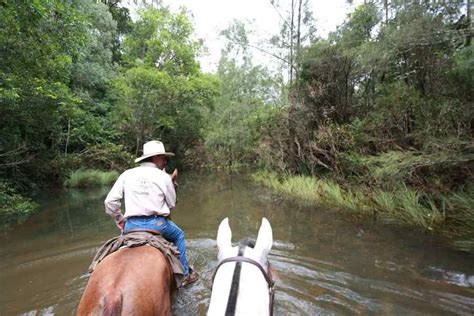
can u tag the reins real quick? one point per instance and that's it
(268, 277)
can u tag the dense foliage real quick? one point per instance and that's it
(377, 117)
(386, 108)
(83, 86)
(249, 98)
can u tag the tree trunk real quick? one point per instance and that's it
(137, 146)
(68, 134)
(470, 28)
(291, 114)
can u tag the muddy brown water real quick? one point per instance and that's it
(326, 262)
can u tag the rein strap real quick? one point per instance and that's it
(267, 276)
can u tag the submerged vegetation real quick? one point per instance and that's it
(14, 208)
(451, 215)
(376, 119)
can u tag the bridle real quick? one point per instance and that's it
(267, 275)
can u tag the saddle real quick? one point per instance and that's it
(141, 238)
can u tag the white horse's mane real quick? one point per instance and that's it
(253, 294)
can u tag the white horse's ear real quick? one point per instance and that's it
(224, 234)
(264, 238)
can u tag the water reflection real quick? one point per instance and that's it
(326, 263)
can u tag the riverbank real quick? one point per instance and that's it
(449, 215)
(16, 207)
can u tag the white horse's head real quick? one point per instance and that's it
(241, 283)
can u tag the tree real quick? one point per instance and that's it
(121, 16)
(291, 39)
(162, 94)
(35, 69)
(86, 123)
(162, 40)
(297, 29)
(236, 127)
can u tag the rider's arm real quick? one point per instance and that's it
(170, 193)
(113, 201)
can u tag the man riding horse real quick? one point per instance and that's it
(149, 197)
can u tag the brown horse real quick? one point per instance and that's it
(130, 281)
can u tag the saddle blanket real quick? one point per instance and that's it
(140, 238)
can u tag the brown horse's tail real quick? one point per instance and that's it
(112, 305)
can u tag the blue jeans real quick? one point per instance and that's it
(169, 230)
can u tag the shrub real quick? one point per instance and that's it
(438, 171)
(107, 156)
(14, 208)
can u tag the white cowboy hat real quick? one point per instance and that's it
(153, 148)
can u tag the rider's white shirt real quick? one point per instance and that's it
(147, 191)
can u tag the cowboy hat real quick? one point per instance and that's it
(153, 148)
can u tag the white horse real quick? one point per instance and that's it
(242, 283)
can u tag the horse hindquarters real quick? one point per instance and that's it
(131, 281)
(112, 304)
(93, 302)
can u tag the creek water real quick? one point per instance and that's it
(326, 262)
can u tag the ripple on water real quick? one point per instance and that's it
(47, 311)
(304, 286)
(453, 277)
(194, 300)
(325, 265)
(305, 283)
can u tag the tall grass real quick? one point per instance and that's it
(385, 201)
(401, 206)
(464, 204)
(463, 218)
(313, 191)
(303, 189)
(404, 206)
(84, 178)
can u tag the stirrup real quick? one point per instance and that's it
(192, 277)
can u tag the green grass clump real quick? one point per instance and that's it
(461, 214)
(304, 189)
(410, 209)
(462, 205)
(90, 178)
(385, 201)
(331, 193)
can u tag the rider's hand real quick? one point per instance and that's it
(174, 176)
(121, 225)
